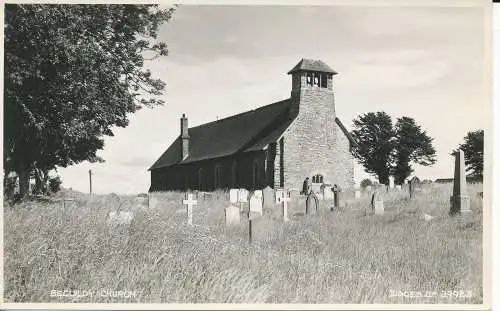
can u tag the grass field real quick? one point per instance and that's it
(344, 256)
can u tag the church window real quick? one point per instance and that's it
(318, 179)
(218, 176)
(309, 78)
(324, 80)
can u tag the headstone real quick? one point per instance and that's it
(398, 187)
(279, 193)
(312, 204)
(377, 203)
(268, 198)
(284, 206)
(232, 214)
(368, 188)
(255, 205)
(120, 218)
(459, 201)
(391, 182)
(328, 193)
(189, 202)
(357, 194)
(243, 195)
(336, 196)
(233, 195)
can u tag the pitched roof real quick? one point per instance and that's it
(248, 131)
(346, 132)
(312, 65)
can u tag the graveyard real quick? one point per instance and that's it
(239, 246)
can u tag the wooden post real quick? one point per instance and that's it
(90, 181)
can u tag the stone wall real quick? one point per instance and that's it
(314, 143)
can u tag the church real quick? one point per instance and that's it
(276, 145)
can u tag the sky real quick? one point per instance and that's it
(428, 63)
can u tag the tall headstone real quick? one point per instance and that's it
(312, 203)
(284, 206)
(460, 201)
(279, 193)
(336, 196)
(268, 198)
(391, 182)
(232, 214)
(233, 195)
(255, 205)
(189, 202)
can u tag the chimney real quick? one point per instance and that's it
(184, 137)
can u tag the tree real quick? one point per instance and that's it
(473, 148)
(374, 135)
(72, 72)
(412, 145)
(386, 151)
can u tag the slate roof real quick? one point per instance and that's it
(248, 131)
(312, 65)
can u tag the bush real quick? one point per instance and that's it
(365, 183)
(55, 184)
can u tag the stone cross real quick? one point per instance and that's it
(460, 201)
(284, 206)
(189, 202)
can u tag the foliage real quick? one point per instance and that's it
(473, 147)
(55, 184)
(72, 72)
(365, 183)
(386, 150)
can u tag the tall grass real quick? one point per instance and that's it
(343, 256)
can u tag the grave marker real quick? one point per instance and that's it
(279, 193)
(357, 194)
(284, 206)
(459, 201)
(310, 201)
(398, 187)
(391, 182)
(189, 202)
(268, 197)
(119, 218)
(233, 195)
(232, 215)
(377, 203)
(255, 204)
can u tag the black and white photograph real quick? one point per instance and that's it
(311, 153)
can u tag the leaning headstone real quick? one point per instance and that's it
(377, 203)
(189, 202)
(460, 201)
(233, 195)
(232, 214)
(284, 207)
(255, 205)
(268, 198)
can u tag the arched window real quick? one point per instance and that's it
(317, 179)
(218, 176)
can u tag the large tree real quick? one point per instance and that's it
(72, 72)
(386, 150)
(473, 147)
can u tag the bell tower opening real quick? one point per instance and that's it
(311, 74)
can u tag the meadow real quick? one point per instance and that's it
(347, 255)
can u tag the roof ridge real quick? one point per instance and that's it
(241, 113)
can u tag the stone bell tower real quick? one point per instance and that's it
(314, 145)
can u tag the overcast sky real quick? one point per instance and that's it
(422, 62)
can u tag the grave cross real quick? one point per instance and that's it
(283, 199)
(189, 202)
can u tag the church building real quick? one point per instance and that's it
(277, 145)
